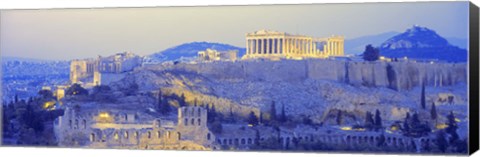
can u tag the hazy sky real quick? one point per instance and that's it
(83, 33)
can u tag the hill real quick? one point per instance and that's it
(422, 43)
(189, 50)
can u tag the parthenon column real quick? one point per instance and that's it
(264, 45)
(277, 48)
(330, 48)
(287, 46)
(300, 46)
(275, 40)
(311, 46)
(294, 45)
(304, 46)
(329, 45)
(335, 48)
(305, 42)
(250, 46)
(338, 48)
(249, 49)
(268, 46)
(256, 46)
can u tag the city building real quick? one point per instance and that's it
(103, 70)
(214, 55)
(127, 127)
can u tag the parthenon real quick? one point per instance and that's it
(273, 44)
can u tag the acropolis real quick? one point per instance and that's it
(273, 44)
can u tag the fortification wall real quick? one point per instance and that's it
(397, 75)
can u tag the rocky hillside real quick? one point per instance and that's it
(422, 43)
(244, 86)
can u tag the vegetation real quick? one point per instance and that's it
(76, 89)
(273, 112)
(422, 97)
(371, 53)
(452, 127)
(441, 141)
(413, 127)
(372, 123)
(162, 104)
(392, 77)
(378, 121)
(28, 122)
(283, 117)
(102, 93)
(433, 113)
(252, 119)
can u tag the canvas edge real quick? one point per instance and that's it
(474, 78)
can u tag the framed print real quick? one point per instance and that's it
(394, 78)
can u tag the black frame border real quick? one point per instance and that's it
(474, 71)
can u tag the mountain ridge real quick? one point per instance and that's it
(188, 51)
(422, 43)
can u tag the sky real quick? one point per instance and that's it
(64, 34)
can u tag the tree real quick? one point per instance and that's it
(422, 101)
(452, 127)
(441, 141)
(369, 122)
(306, 120)
(339, 118)
(273, 112)
(252, 119)
(132, 89)
(231, 117)
(260, 118)
(160, 98)
(212, 114)
(381, 140)
(182, 101)
(406, 125)
(164, 107)
(378, 120)
(76, 89)
(433, 113)
(371, 53)
(257, 137)
(283, 117)
(217, 127)
(392, 77)
(102, 93)
(45, 94)
(101, 89)
(414, 128)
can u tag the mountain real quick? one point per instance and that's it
(188, 51)
(422, 43)
(357, 45)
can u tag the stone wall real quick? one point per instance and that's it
(403, 75)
